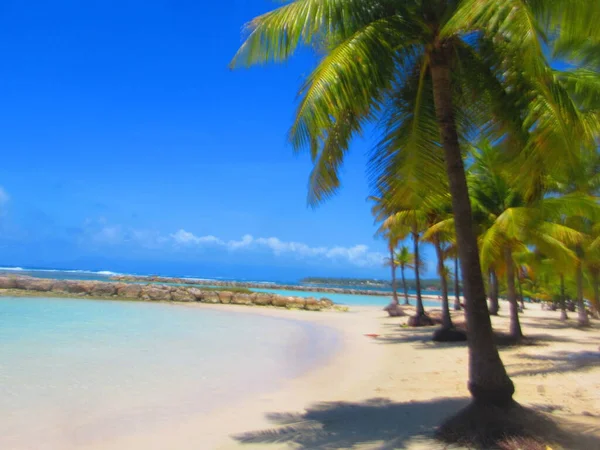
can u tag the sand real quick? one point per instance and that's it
(393, 390)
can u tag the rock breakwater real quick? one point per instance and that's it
(21, 285)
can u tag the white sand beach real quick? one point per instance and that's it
(391, 391)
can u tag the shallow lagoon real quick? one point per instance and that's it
(76, 370)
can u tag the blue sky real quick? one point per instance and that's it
(129, 145)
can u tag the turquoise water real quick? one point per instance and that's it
(347, 299)
(71, 370)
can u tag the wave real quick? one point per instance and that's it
(92, 272)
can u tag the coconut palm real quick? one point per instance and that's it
(435, 216)
(409, 215)
(405, 260)
(460, 53)
(583, 177)
(393, 233)
(513, 223)
(393, 237)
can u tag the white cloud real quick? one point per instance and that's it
(99, 232)
(358, 255)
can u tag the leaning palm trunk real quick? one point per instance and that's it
(406, 302)
(393, 265)
(457, 306)
(494, 304)
(446, 318)
(420, 307)
(488, 380)
(515, 325)
(563, 300)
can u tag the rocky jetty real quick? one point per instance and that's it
(242, 284)
(21, 285)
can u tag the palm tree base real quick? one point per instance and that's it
(394, 310)
(449, 335)
(486, 425)
(420, 320)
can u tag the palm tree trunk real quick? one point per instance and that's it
(563, 300)
(582, 317)
(488, 380)
(406, 302)
(393, 266)
(446, 318)
(515, 325)
(494, 304)
(420, 308)
(596, 302)
(519, 283)
(457, 306)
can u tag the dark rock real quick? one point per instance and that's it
(279, 300)
(261, 299)
(295, 303)
(155, 293)
(420, 321)
(197, 293)
(78, 287)
(449, 335)
(8, 283)
(312, 304)
(39, 285)
(103, 289)
(131, 291)
(210, 297)
(241, 299)
(225, 297)
(182, 295)
(60, 286)
(326, 301)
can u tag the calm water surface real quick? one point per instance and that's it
(74, 370)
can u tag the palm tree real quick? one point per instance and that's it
(582, 177)
(436, 216)
(393, 238)
(405, 260)
(393, 233)
(373, 47)
(513, 223)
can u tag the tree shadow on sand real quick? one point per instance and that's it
(561, 362)
(384, 425)
(377, 422)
